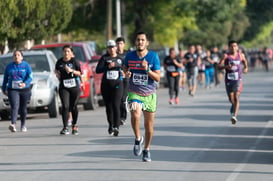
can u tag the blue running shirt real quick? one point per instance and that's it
(15, 74)
(140, 82)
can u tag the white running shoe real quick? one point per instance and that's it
(12, 128)
(233, 120)
(24, 129)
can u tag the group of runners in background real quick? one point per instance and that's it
(196, 67)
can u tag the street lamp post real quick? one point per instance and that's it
(118, 18)
(109, 20)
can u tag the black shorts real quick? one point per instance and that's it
(235, 86)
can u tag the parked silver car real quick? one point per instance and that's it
(44, 87)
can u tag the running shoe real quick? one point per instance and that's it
(231, 109)
(233, 120)
(64, 131)
(75, 130)
(146, 156)
(110, 131)
(177, 100)
(122, 122)
(138, 146)
(171, 101)
(23, 129)
(12, 128)
(116, 131)
(191, 93)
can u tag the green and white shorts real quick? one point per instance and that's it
(147, 103)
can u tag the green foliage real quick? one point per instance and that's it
(206, 22)
(217, 22)
(263, 38)
(89, 15)
(172, 19)
(164, 20)
(6, 17)
(32, 19)
(260, 14)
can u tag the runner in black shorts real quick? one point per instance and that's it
(232, 62)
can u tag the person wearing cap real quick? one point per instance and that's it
(110, 64)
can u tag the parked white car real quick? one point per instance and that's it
(44, 87)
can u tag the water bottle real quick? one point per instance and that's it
(120, 74)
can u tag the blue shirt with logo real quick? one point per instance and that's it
(140, 82)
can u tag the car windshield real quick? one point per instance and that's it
(38, 63)
(58, 52)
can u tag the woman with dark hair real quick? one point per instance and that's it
(16, 85)
(69, 73)
(173, 65)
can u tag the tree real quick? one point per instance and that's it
(163, 20)
(32, 19)
(260, 16)
(217, 22)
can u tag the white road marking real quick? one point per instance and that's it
(251, 150)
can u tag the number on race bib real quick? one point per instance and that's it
(16, 84)
(171, 68)
(112, 75)
(68, 83)
(140, 79)
(233, 76)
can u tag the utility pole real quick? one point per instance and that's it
(109, 20)
(118, 18)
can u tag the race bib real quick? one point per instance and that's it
(112, 75)
(215, 59)
(68, 83)
(140, 79)
(16, 84)
(171, 68)
(233, 76)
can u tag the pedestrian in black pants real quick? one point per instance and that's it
(69, 73)
(112, 85)
(120, 41)
(173, 65)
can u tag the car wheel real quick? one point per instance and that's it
(92, 102)
(53, 107)
(5, 115)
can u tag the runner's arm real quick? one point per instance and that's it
(126, 71)
(154, 74)
(244, 61)
(178, 63)
(221, 65)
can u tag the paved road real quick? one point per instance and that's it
(193, 141)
